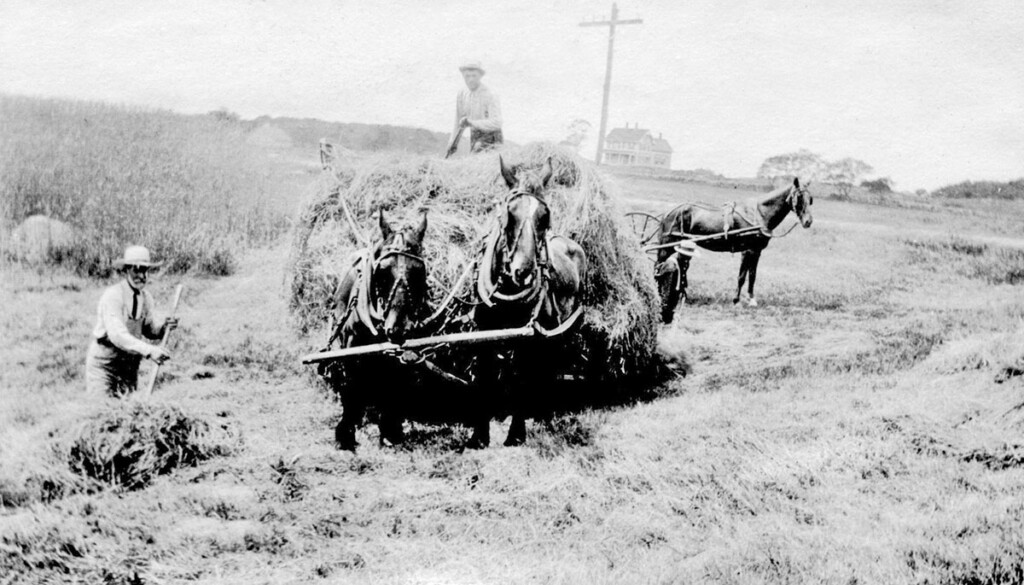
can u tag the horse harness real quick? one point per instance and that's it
(541, 272)
(367, 310)
(537, 293)
(729, 211)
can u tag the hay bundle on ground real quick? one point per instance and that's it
(132, 443)
(463, 196)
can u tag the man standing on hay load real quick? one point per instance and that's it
(476, 108)
(125, 320)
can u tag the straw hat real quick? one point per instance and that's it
(687, 248)
(472, 65)
(136, 256)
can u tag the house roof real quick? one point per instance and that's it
(636, 135)
(661, 145)
(627, 134)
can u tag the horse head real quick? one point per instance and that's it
(398, 278)
(800, 200)
(524, 225)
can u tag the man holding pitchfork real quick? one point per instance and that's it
(125, 320)
(476, 108)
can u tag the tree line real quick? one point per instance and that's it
(841, 174)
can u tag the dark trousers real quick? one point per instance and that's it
(481, 141)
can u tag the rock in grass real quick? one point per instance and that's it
(130, 444)
(38, 236)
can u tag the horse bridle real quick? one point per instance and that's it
(542, 251)
(794, 193)
(386, 252)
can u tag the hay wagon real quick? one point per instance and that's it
(613, 335)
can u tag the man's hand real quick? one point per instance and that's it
(170, 324)
(158, 354)
(464, 122)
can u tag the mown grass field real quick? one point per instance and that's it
(851, 429)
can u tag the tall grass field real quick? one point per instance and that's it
(188, 187)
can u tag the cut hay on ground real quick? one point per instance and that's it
(130, 444)
(462, 196)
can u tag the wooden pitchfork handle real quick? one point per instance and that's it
(454, 144)
(163, 343)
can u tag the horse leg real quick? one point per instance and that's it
(516, 430)
(535, 372)
(519, 400)
(481, 411)
(754, 258)
(481, 437)
(353, 404)
(744, 263)
(391, 415)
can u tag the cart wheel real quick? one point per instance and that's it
(644, 225)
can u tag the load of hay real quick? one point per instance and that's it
(619, 332)
(130, 444)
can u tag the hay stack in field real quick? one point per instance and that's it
(38, 236)
(463, 197)
(131, 443)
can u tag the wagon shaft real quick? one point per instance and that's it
(466, 338)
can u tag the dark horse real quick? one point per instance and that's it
(526, 277)
(380, 298)
(765, 213)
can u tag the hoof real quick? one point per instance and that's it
(752, 302)
(477, 444)
(514, 441)
(736, 300)
(392, 437)
(345, 438)
(392, 440)
(516, 432)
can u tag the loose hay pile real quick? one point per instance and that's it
(130, 444)
(620, 326)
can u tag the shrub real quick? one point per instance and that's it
(188, 187)
(881, 185)
(983, 189)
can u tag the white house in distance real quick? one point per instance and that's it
(636, 147)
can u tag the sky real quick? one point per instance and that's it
(927, 92)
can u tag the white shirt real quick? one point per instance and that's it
(481, 106)
(124, 316)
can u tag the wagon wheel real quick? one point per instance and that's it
(644, 225)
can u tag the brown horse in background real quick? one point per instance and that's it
(380, 298)
(525, 276)
(765, 213)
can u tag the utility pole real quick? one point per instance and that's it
(611, 24)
